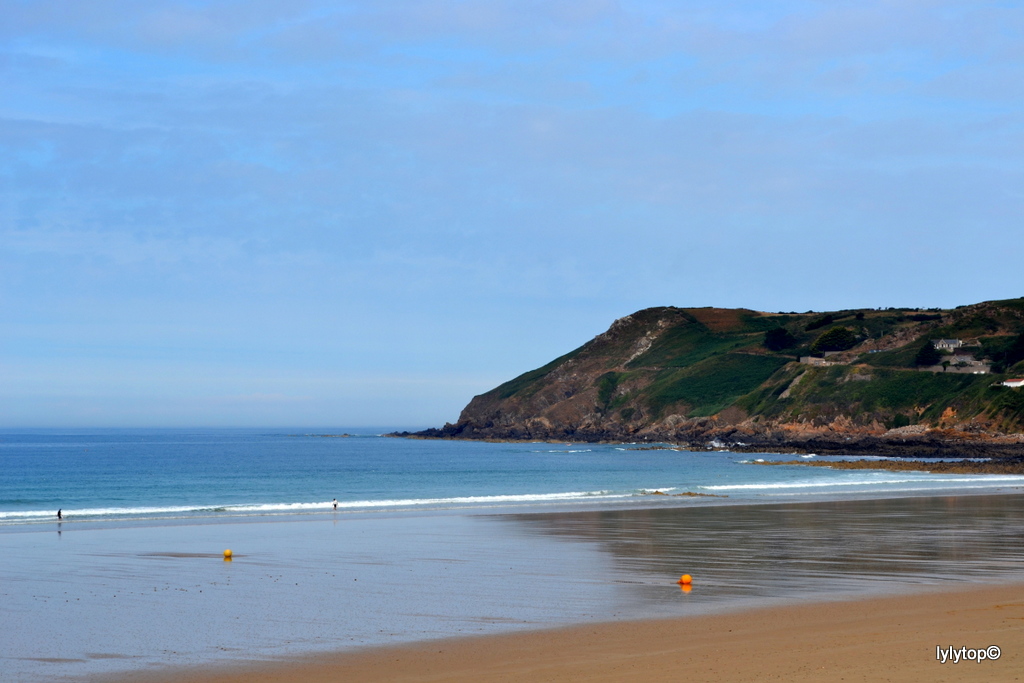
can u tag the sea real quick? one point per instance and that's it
(103, 476)
(438, 539)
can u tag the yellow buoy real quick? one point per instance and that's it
(685, 580)
(227, 555)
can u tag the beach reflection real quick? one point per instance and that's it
(142, 596)
(804, 551)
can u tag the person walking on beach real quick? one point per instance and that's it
(59, 516)
(335, 501)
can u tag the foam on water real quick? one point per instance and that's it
(948, 480)
(323, 506)
(894, 485)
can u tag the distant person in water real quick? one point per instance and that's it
(59, 516)
(335, 501)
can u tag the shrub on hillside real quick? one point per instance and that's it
(778, 339)
(836, 339)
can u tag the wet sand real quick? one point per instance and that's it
(134, 600)
(882, 639)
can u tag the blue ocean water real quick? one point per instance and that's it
(95, 475)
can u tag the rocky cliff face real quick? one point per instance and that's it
(732, 376)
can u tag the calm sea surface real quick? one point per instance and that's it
(130, 474)
(436, 539)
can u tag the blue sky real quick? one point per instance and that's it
(300, 212)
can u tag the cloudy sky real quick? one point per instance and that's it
(305, 212)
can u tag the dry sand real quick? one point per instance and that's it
(881, 639)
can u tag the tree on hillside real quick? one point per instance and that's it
(927, 355)
(778, 339)
(836, 339)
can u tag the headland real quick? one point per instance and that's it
(900, 382)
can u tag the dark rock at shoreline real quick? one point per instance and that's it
(925, 446)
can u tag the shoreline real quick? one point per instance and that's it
(889, 638)
(651, 500)
(655, 499)
(1007, 457)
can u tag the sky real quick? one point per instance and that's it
(352, 213)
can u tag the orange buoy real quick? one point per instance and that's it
(685, 587)
(685, 580)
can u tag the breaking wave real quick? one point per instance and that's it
(21, 516)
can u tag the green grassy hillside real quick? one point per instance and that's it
(670, 366)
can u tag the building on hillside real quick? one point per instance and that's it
(947, 344)
(1014, 383)
(974, 367)
(814, 360)
(964, 357)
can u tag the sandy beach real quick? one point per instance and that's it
(581, 595)
(881, 639)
